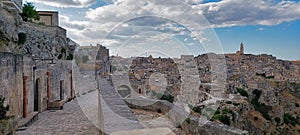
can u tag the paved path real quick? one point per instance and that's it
(81, 115)
(69, 121)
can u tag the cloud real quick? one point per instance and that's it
(228, 13)
(192, 2)
(260, 29)
(124, 20)
(66, 3)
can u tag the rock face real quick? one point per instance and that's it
(178, 116)
(44, 41)
(38, 40)
(9, 28)
(31, 78)
(258, 89)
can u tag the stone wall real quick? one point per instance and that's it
(11, 82)
(60, 76)
(15, 68)
(9, 23)
(41, 41)
(176, 115)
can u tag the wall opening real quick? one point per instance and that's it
(36, 95)
(61, 90)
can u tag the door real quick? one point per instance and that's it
(61, 90)
(36, 95)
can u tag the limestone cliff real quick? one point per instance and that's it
(31, 39)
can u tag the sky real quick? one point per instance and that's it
(169, 28)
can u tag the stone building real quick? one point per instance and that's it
(49, 18)
(30, 86)
(12, 5)
(34, 74)
(241, 51)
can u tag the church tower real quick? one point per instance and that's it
(242, 48)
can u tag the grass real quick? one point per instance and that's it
(242, 92)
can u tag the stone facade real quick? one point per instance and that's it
(18, 72)
(33, 73)
(48, 18)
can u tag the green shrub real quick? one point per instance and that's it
(62, 50)
(277, 120)
(266, 116)
(242, 92)
(289, 119)
(226, 111)
(188, 120)
(197, 109)
(225, 119)
(217, 112)
(260, 107)
(3, 109)
(222, 116)
(257, 93)
(70, 56)
(169, 98)
(216, 116)
(29, 13)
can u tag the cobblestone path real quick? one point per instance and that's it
(69, 121)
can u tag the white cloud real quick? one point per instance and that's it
(228, 13)
(192, 2)
(260, 29)
(123, 19)
(65, 3)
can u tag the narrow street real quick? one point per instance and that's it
(68, 121)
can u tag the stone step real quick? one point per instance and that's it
(116, 114)
(24, 122)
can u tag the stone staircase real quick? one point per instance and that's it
(116, 114)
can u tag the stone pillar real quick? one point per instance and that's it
(48, 90)
(24, 97)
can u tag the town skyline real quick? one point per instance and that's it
(265, 27)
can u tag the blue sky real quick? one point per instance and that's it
(179, 26)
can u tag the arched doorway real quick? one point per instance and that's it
(36, 95)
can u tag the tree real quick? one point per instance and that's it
(3, 109)
(29, 13)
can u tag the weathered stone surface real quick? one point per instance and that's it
(176, 115)
(154, 131)
(70, 120)
(117, 115)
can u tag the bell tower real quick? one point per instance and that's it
(242, 48)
